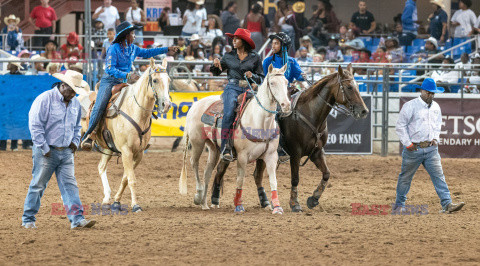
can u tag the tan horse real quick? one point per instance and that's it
(131, 138)
(255, 118)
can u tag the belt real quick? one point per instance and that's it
(57, 148)
(240, 83)
(423, 144)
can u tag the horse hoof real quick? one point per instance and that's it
(205, 207)
(277, 210)
(265, 204)
(296, 208)
(239, 209)
(105, 201)
(115, 206)
(197, 200)
(215, 206)
(312, 202)
(136, 208)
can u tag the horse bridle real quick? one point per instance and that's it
(150, 84)
(269, 89)
(338, 107)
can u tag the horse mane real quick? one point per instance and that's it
(315, 89)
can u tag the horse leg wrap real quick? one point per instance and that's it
(263, 197)
(275, 200)
(238, 197)
(216, 194)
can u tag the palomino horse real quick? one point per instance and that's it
(305, 132)
(131, 130)
(257, 116)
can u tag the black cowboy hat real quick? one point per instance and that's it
(123, 29)
(283, 38)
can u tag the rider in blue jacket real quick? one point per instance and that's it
(118, 66)
(280, 44)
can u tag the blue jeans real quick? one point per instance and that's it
(62, 164)
(230, 94)
(407, 38)
(103, 96)
(411, 160)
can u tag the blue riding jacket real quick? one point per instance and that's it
(120, 59)
(295, 70)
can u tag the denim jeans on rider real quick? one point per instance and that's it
(103, 95)
(62, 164)
(411, 160)
(230, 94)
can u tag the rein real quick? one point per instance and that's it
(269, 89)
(150, 84)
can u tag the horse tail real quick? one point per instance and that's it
(182, 184)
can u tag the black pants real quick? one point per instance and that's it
(13, 145)
(38, 43)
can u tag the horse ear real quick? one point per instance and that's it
(270, 68)
(340, 70)
(164, 63)
(284, 68)
(152, 62)
(350, 68)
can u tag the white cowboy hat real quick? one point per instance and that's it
(438, 3)
(16, 63)
(53, 64)
(11, 17)
(433, 41)
(194, 37)
(74, 80)
(198, 2)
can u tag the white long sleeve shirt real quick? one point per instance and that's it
(417, 123)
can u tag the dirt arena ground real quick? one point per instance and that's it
(172, 230)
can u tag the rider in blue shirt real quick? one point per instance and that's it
(118, 66)
(280, 44)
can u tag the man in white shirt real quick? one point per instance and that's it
(463, 19)
(418, 128)
(108, 14)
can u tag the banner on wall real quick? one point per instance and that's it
(153, 8)
(460, 133)
(172, 123)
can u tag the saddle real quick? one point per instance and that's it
(112, 110)
(213, 116)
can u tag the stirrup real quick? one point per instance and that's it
(87, 144)
(227, 155)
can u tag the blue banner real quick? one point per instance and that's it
(17, 93)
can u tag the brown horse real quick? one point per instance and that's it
(305, 133)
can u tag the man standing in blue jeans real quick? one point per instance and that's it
(409, 23)
(418, 128)
(54, 123)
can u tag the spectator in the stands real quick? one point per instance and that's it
(284, 19)
(267, 22)
(342, 34)
(53, 68)
(463, 20)
(398, 30)
(13, 38)
(182, 49)
(476, 31)
(446, 75)
(464, 64)
(100, 31)
(50, 51)
(38, 66)
(304, 58)
(14, 68)
(395, 53)
(361, 56)
(307, 43)
(213, 30)
(43, 19)
(327, 16)
(363, 19)
(438, 21)
(191, 19)
(474, 79)
(431, 48)
(216, 52)
(163, 20)
(353, 42)
(136, 16)
(229, 18)
(72, 47)
(319, 72)
(108, 41)
(195, 47)
(25, 54)
(380, 55)
(409, 23)
(73, 64)
(108, 14)
(333, 51)
(255, 23)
